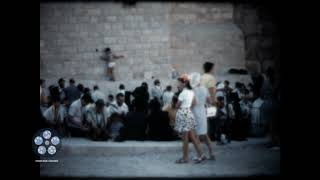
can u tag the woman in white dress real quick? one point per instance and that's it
(185, 123)
(202, 97)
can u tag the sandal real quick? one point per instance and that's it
(181, 161)
(200, 159)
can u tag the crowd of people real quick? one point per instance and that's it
(164, 114)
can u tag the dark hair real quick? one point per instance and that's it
(187, 83)
(168, 88)
(95, 87)
(42, 81)
(174, 100)
(207, 66)
(55, 99)
(107, 49)
(227, 82)
(121, 86)
(246, 91)
(110, 96)
(220, 98)
(86, 90)
(100, 103)
(86, 98)
(144, 84)
(157, 81)
(80, 87)
(155, 105)
(61, 80)
(54, 91)
(119, 95)
(71, 81)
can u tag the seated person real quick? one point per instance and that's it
(97, 118)
(115, 125)
(76, 121)
(158, 123)
(56, 115)
(119, 107)
(110, 100)
(135, 124)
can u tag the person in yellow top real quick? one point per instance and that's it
(208, 80)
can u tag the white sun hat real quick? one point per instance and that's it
(195, 79)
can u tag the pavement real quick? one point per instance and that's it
(81, 157)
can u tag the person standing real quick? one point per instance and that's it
(167, 96)
(110, 58)
(208, 80)
(185, 123)
(199, 111)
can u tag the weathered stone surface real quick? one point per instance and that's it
(152, 36)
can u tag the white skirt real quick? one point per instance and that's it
(201, 119)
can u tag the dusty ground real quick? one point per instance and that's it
(84, 158)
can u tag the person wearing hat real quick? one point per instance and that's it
(97, 117)
(110, 58)
(202, 97)
(185, 123)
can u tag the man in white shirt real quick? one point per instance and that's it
(167, 96)
(76, 114)
(56, 115)
(97, 117)
(119, 107)
(97, 94)
(156, 91)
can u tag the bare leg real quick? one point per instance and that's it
(196, 143)
(111, 74)
(185, 147)
(207, 140)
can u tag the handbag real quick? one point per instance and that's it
(211, 111)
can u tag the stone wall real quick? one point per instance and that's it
(152, 36)
(259, 24)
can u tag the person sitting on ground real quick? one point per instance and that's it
(56, 115)
(158, 123)
(135, 123)
(156, 91)
(167, 96)
(97, 94)
(77, 122)
(119, 108)
(97, 118)
(110, 100)
(115, 125)
(72, 92)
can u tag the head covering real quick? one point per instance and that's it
(184, 77)
(195, 79)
